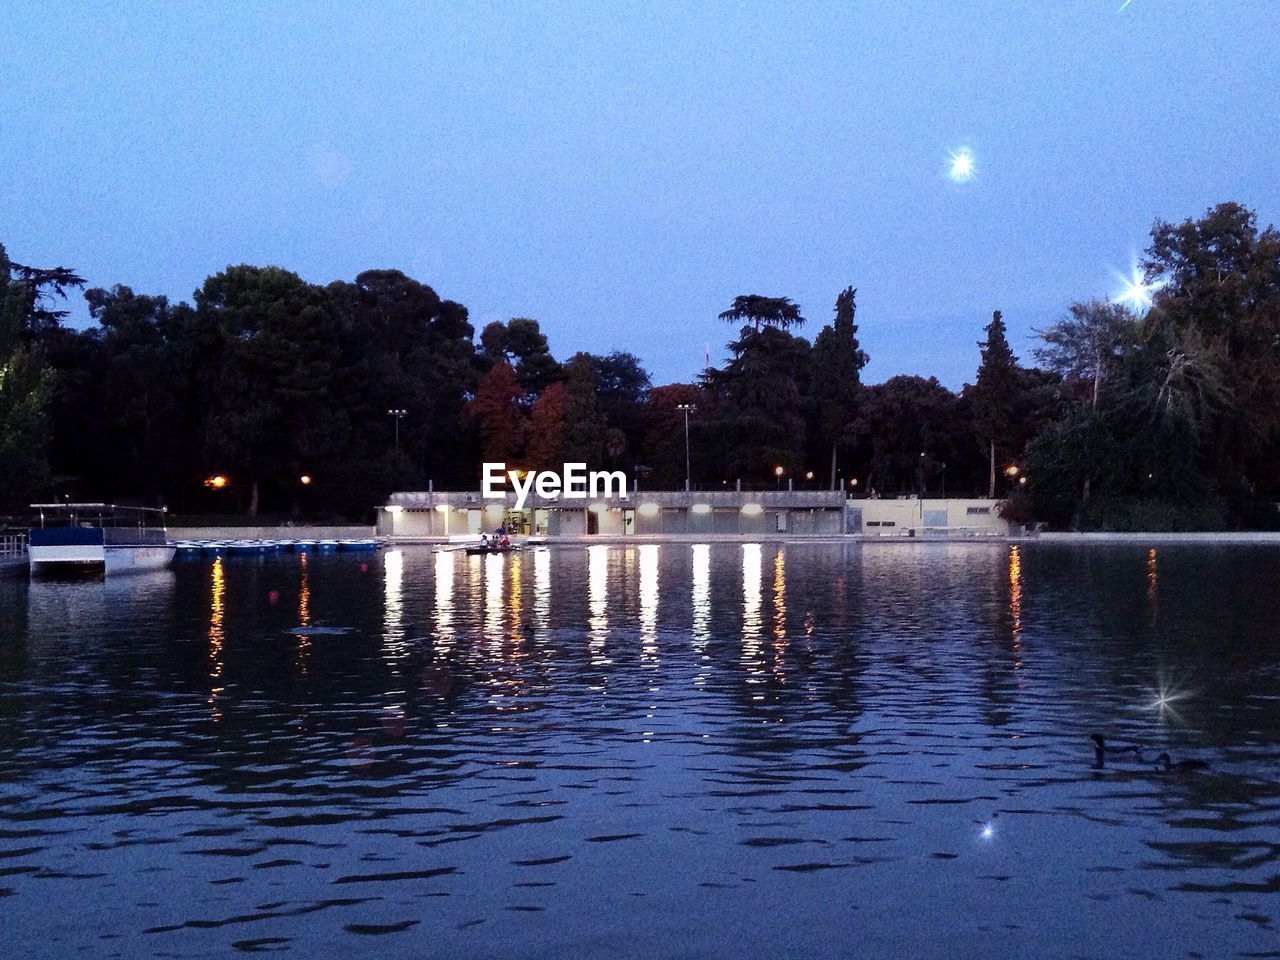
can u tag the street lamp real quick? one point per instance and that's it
(687, 408)
(399, 415)
(777, 472)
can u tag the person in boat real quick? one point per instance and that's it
(484, 541)
(504, 542)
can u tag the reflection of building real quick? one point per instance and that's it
(794, 513)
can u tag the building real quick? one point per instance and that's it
(727, 513)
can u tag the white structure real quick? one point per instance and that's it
(728, 513)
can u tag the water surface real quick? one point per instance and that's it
(726, 750)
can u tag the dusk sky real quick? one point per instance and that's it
(621, 171)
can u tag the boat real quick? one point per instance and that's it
(481, 549)
(75, 537)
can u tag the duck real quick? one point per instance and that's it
(1166, 765)
(1100, 749)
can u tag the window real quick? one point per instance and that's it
(978, 511)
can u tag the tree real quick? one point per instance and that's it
(26, 383)
(910, 429)
(520, 341)
(546, 447)
(270, 346)
(584, 421)
(497, 414)
(837, 365)
(994, 394)
(1085, 347)
(663, 441)
(761, 422)
(763, 311)
(1218, 294)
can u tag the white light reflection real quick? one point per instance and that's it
(649, 603)
(701, 596)
(751, 622)
(542, 588)
(597, 599)
(444, 601)
(393, 602)
(494, 568)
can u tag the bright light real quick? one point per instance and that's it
(962, 168)
(598, 508)
(305, 479)
(988, 831)
(216, 482)
(442, 508)
(393, 509)
(808, 475)
(648, 510)
(1136, 292)
(700, 508)
(1011, 470)
(853, 482)
(753, 509)
(777, 471)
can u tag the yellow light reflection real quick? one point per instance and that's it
(649, 603)
(1015, 595)
(444, 601)
(779, 612)
(217, 611)
(515, 601)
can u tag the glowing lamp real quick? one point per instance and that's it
(216, 482)
(442, 508)
(305, 479)
(598, 508)
(700, 508)
(753, 509)
(648, 510)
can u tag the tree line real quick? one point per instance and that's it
(268, 394)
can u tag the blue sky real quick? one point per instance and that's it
(621, 171)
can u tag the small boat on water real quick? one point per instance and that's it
(481, 549)
(78, 537)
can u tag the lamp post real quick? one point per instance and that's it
(777, 472)
(399, 415)
(687, 408)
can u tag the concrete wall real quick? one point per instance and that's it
(890, 518)
(271, 533)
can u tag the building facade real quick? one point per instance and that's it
(728, 513)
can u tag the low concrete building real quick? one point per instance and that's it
(721, 513)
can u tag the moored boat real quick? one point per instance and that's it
(72, 537)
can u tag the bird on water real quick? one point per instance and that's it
(1165, 765)
(1101, 749)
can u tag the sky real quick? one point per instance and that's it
(621, 171)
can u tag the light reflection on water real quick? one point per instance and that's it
(645, 750)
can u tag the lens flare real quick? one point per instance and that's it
(1136, 293)
(963, 167)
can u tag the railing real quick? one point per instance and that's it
(13, 545)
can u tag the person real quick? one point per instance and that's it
(484, 540)
(505, 542)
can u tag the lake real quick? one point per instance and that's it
(676, 750)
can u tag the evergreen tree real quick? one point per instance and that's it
(837, 368)
(994, 395)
